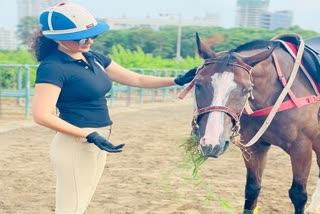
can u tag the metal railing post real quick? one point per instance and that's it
(27, 90)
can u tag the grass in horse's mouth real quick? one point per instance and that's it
(193, 154)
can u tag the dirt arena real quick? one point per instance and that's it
(151, 175)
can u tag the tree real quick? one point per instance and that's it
(26, 27)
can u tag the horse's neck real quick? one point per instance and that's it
(267, 84)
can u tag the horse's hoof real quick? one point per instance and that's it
(255, 211)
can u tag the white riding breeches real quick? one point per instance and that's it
(78, 166)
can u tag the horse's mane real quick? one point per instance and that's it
(253, 45)
(229, 57)
(225, 60)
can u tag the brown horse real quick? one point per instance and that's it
(255, 96)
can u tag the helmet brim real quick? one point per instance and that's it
(99, 28)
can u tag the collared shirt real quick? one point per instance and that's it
(82, 99)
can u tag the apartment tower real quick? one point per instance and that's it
(249, 12)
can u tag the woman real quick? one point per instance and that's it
(75, 80)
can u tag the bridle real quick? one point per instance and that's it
(235, 116)
(279, 104)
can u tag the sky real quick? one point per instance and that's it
(306, 14)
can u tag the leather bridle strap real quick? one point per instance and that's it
(244, 66)
(186, 90)
(220, 109)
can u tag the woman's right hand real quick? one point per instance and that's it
(103, 143)
(186, 77)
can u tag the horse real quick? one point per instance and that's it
(254, 96)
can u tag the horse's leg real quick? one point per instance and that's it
(255, 160)
(314, 206)
(301, 158)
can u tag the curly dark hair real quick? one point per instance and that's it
(42, 46)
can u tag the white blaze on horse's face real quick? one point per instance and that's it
(223, 84)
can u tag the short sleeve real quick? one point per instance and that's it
(102, 59)
(50, 73)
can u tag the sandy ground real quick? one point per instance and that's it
(151, 175)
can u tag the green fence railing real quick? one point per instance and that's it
(17, 81)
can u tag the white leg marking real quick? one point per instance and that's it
(223, 84)
(314, 206)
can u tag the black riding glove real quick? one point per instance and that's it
(186, 77)
(102, 143)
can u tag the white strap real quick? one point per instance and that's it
(281, 97)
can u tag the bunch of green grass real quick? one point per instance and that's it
(193, 154)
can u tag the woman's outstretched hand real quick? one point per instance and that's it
(186, 77)
(103, 143)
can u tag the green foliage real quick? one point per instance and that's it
(139, 59)
(19, 56)
(162, 42)
(9, 75)
(147, 48)
(151, 41)
(144, 47)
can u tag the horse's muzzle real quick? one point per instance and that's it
(214, 152)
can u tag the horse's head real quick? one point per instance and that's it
(222, 86)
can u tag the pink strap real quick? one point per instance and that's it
(186, 90)
(284, 81)
(286, 105)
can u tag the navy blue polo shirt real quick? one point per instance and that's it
(82, 99)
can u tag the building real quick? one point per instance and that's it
(265, 20)
(254, 13)
(8, 39)
(124, 22)
(34, 7)
(249, 12)
(281, 19)
(278, 19)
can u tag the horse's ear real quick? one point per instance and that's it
(204, 50)
(253, 60)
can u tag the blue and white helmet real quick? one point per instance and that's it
(68, 21)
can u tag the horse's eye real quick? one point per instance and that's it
(198, 88)
(198, 84)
